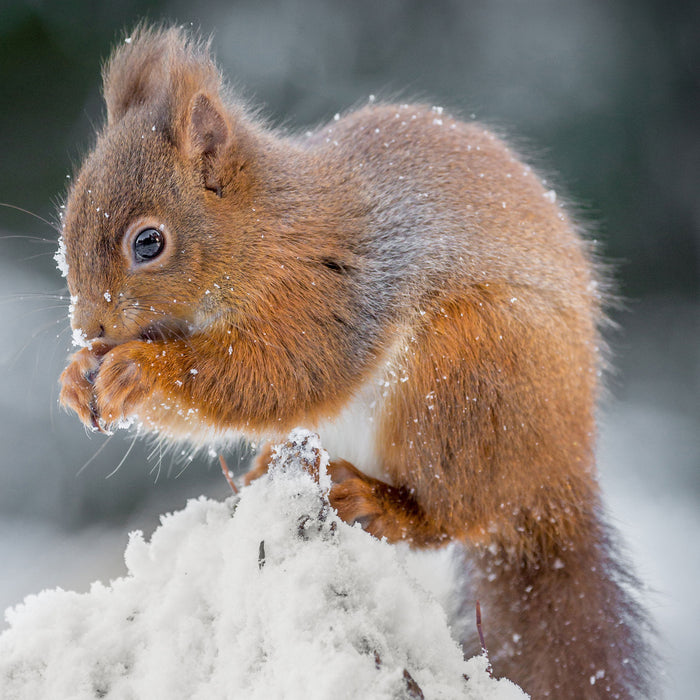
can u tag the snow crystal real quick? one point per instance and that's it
(125, 423)
(107, 296)
(80, 339)
(60, 257)
(550, 196)
(266, 595)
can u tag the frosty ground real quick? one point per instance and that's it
(268, 595)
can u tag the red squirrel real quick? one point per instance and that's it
(398, 281)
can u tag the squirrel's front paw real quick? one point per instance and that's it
(77, 386)
(120, 387)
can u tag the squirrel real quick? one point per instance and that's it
(399, 281)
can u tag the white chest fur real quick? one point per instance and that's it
(352, 435)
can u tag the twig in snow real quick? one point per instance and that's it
(227, 474)
(480, 630)
(412, 688)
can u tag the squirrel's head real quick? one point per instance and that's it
(139, 241)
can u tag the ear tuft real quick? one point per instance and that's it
(159, 66)
(136, 70)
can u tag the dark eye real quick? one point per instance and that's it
(148, 244)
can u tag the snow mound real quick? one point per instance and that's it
(267, 595)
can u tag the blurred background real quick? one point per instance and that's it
(605, 95)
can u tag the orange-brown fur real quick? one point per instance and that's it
(396, 245)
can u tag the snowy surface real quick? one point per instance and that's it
(268, 595)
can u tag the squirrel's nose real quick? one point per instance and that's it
(89, 328)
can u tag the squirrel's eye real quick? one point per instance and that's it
(148, 244)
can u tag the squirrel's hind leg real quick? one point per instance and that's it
(382, 509)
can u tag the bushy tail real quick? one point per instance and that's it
(565, 623)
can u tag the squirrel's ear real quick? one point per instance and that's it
(135, 72)
(207, 134)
